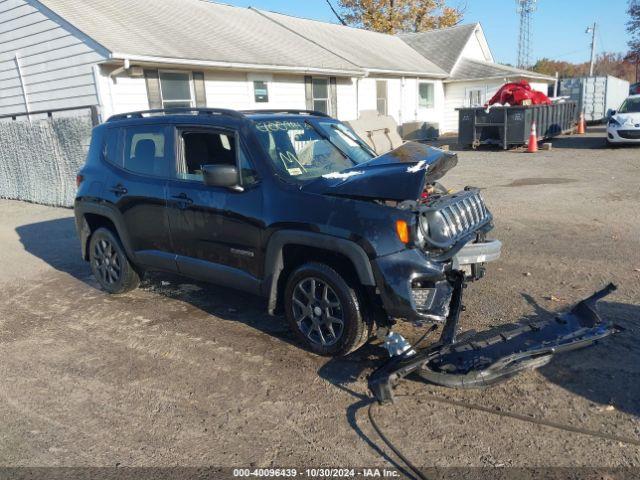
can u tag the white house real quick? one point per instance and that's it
(123, 55)
(473, 77)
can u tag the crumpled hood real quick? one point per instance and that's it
(628, 119)
(398, 175)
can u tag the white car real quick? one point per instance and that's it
(624, 124)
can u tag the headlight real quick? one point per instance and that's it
(422, 231)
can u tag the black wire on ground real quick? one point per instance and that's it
(390, 444)
(473, 406)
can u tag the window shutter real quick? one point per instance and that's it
(199, 89)
(333, 96)
(153, 88)
(308, 92)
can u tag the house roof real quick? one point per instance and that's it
(207, 33)
(443, 46)
(376, 52)
(468, 69)
(194, 31)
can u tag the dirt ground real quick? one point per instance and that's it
(185, 374)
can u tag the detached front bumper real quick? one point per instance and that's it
(413, 287)
(489, 357)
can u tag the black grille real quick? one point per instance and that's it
(629, 134)
(465, 215)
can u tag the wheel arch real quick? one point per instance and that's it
(284, 241)
(90, 217)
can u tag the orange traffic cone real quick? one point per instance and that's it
(533, 139)
(581, 125)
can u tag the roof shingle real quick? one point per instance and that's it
(195, 30)
(468, 69)
(443, 46)
(369, 50)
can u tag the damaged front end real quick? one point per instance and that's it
(425, 282)
(484, 359)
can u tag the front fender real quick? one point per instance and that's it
(274, 262)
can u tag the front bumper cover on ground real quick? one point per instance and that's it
(487, 358)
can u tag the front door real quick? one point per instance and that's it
(216, 232)
(137, 189)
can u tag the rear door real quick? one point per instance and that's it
(138, 189)
(216, 231)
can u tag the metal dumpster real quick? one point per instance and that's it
(511, 126)
(595, 95)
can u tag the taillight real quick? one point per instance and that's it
(79, 180)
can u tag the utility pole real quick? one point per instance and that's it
(592, 31)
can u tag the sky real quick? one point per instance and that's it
(558, 25)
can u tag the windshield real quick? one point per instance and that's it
(630, 105)
(301, 152)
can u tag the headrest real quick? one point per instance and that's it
(145, 149)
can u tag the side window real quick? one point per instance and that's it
(205, 148)
(110, 149)
(211, 148)
(147, 150)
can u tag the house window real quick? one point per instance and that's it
(175, 88)
(426, 95)
(475, 97)
(321, 95)
(381, 96)
(261, 91)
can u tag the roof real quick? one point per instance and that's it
(376, 52)
(206, 33)
(468, 69)
(443, 46)
(195, 31)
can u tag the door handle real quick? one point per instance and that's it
(119, 189)
(183, 200)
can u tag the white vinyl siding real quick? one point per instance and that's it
(56, 65)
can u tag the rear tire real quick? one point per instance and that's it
(324, 312)
(109, 263)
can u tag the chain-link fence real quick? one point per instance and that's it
(40, 157)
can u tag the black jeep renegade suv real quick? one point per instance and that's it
(289, 205)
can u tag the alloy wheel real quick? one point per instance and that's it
(318, 312)
(106, 261)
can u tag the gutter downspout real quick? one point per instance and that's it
(119, 70)
(402, 86)
(22, 86)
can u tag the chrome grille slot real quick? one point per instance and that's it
(454, 217)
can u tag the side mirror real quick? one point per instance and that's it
(220, 175)
(611, 113)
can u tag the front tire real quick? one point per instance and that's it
(323, 311)
(109, 263)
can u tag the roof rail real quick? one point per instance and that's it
(177, 110)
(291, 111)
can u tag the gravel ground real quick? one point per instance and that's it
(181, 373)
